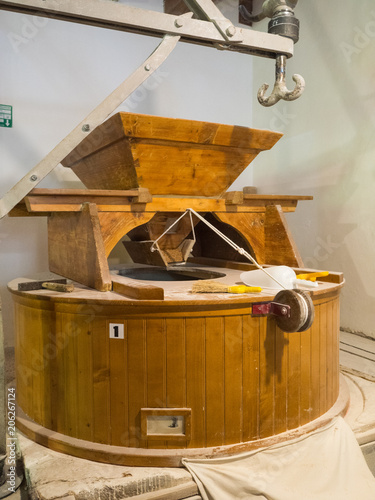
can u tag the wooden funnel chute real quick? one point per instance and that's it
(167, 156)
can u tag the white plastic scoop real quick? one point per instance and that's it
(283, 274)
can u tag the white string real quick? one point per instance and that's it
(240, 250)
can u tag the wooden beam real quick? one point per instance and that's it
(76, 248)
(135, 200)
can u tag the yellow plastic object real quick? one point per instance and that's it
(312, 276)
(244, 289)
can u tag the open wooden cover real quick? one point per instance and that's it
(165, 155)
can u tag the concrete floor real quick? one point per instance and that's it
(54, 476)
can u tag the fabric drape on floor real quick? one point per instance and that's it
(324, 465)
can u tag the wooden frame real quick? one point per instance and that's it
(185, 413)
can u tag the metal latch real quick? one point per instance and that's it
(274, 308)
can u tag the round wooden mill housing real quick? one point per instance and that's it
(148, 382)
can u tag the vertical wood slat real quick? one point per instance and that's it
(281, 374)
(24, 369)
(323, 355)
(267, 377)
(85, 405)
(156, 369)
(32, 325)
(195, 378)
(176, 369)
(71, 375)
(215, 426)
(100, 376)
(306, 408)
(315, 366)
(58, 378)
(137, 385)
(46, 355)
(250, 380)
(335, 347)
(233, 401)
(118, 388)
(294, 380)
(329, 355)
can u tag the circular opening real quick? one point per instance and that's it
(171, 274)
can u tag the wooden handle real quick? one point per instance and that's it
(58, 287)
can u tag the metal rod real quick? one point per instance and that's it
(121, 17)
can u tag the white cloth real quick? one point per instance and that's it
(324, 465)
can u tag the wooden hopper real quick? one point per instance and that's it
(166, 156)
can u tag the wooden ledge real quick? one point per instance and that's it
(45, 201)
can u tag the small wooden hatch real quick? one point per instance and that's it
(166, 156)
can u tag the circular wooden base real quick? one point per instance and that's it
(138, 457)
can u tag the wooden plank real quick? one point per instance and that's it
(137, 290)
(137, 382)
(48, 354)
(195, 378)
(294, 380)
(38, 205)
(118, 388)
(323, 356)
(175, 368)
(85, 402)
(251, 373)
(280, 248)
(281, 375)
(233, 370)
(306, 407)
(336, 348)
(76, 248)
(267, 376)
(156, 369)
(315, 365)
(215, 404)
(58, 377)
(330, 357)
(24, 359)
(365, 344)
(101, 385)
(71, 376)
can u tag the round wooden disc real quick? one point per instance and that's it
(311, 310)
(298, 311)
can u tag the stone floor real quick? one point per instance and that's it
(54, 476)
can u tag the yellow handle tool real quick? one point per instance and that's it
(244, 289)
(312, 276)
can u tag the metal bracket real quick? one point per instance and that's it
(207, 10)
(274, 308)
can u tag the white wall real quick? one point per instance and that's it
(55, 73)
(329, 148)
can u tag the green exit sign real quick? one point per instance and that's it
(6, 115)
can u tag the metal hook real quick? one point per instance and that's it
(280, 90)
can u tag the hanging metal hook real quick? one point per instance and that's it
(280, 90)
